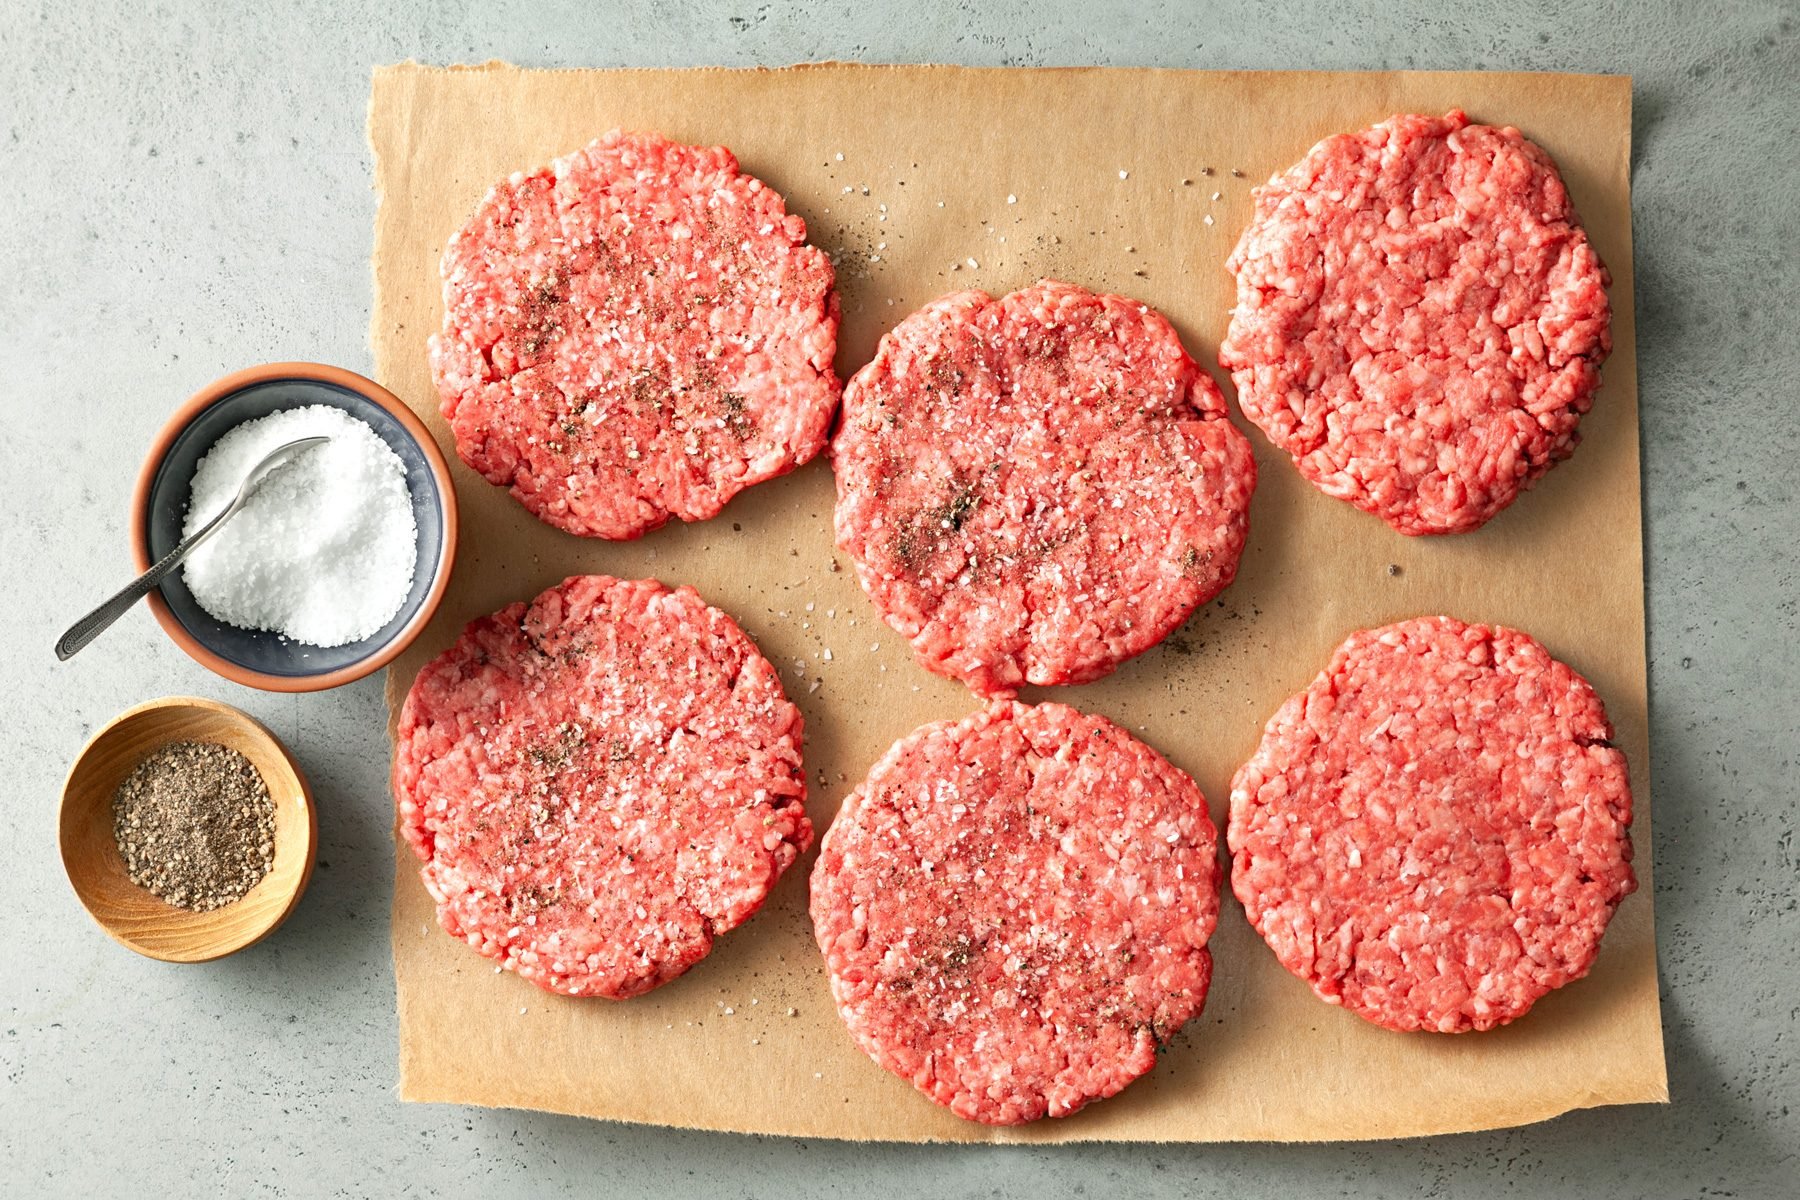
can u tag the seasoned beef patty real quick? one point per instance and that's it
(635, 332)
(1036, 488)
(600, 783)
(1014, 910)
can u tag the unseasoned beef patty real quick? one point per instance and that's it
(1420, 319)
(1434, 834)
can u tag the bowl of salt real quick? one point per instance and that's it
(339, 559)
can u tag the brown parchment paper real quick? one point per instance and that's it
(1105, 178)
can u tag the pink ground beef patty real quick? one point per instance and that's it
(1420, 319)
(635, 332)
(1036, 488)
(1014, 910)
(600, 783)
(1434, 834)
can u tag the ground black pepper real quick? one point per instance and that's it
(195, 825)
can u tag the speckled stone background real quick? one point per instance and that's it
(184, 189)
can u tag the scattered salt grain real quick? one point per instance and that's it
(1011, 199)
(324, 553)
(1124, 174)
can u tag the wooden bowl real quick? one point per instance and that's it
(138, 918)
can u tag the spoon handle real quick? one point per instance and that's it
(91, 626)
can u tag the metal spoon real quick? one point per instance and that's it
(90, 626)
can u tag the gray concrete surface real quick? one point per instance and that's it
(184, 189)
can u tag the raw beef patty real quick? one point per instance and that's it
(1420, 319)
(600, 783)
(1014, 910)
(1036, 488)
(635, 332)
(1435, 833)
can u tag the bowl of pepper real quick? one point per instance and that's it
(186, 829)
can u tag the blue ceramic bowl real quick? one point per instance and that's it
(258, 658)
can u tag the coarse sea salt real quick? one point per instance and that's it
(324, 553)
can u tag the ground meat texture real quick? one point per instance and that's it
(635, 332)
(1036, 488)
(1435, 833)
(1014, 910)
(1420, 319)
(599, 783)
